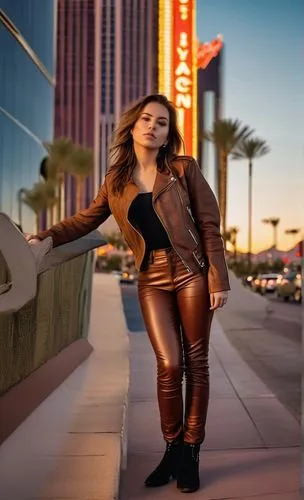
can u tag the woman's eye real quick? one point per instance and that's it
(162, 124)
(145, 118)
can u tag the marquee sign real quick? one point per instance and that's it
(183, 76)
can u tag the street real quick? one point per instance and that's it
(273, 352)
(289, 312)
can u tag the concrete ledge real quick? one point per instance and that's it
(74, 444)
(21, 400)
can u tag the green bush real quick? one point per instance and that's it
(108, 264)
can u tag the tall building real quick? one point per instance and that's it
(26, 98)
(209, 106)
(78, 91)
(106, 58)
(177, 52)
(129, 66)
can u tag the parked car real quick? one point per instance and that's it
(269, 283)
(289, 286)
(117, 274)
(127, 277)
(248, 280)
(265, 283)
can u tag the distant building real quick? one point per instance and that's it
(129, 37)
(26, 98)
(106, 59)
(209, 110)
(78, 86)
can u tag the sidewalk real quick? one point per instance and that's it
(72, 446)
(252, 442)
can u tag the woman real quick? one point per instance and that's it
(170, 219)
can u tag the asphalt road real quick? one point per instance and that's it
(273, 352)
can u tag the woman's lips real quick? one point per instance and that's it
(150, 136)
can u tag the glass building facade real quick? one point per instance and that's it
(26, 98)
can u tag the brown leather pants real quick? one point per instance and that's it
(175, 305)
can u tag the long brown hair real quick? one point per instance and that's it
(122, 154)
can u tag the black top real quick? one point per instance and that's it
(143, 217)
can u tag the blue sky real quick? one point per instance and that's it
(263, 87)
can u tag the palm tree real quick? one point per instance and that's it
(274, 221)
(41, 197)
(226, 135)
(82, 166)
(59, 161)
(233, 239)
(250, 149)
(294, 233)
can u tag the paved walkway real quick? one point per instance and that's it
(70, 447)
(251, 450)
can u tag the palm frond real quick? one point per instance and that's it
(60, 154)
(274, 221)
(250, 148)
(82, 162)
(227, 133)
(40, 197)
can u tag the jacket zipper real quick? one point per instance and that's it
(186, 265)
(190, 213)
(191, 233)
(165, 188)
(193, 236)
(201, 264)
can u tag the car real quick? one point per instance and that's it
(265, 283)
(269, 283)
(117, 274)
(127, 277)
(248, 280)
(289, 286)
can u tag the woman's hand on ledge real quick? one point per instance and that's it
(32, 239)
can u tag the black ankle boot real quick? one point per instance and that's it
(168, 466)
(188, 474)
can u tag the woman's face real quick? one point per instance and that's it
(152, 127)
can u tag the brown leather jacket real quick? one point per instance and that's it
(186, 206)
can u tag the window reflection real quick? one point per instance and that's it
(26, 101)
(33, 18)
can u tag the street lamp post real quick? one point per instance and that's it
(249, 217)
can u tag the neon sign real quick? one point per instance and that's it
(208, 51)
(182, 76)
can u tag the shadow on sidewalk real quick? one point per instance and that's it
(234, 474)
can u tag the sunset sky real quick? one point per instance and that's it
(263, 87)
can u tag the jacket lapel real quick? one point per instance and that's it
(122, 203)
(162, 181)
